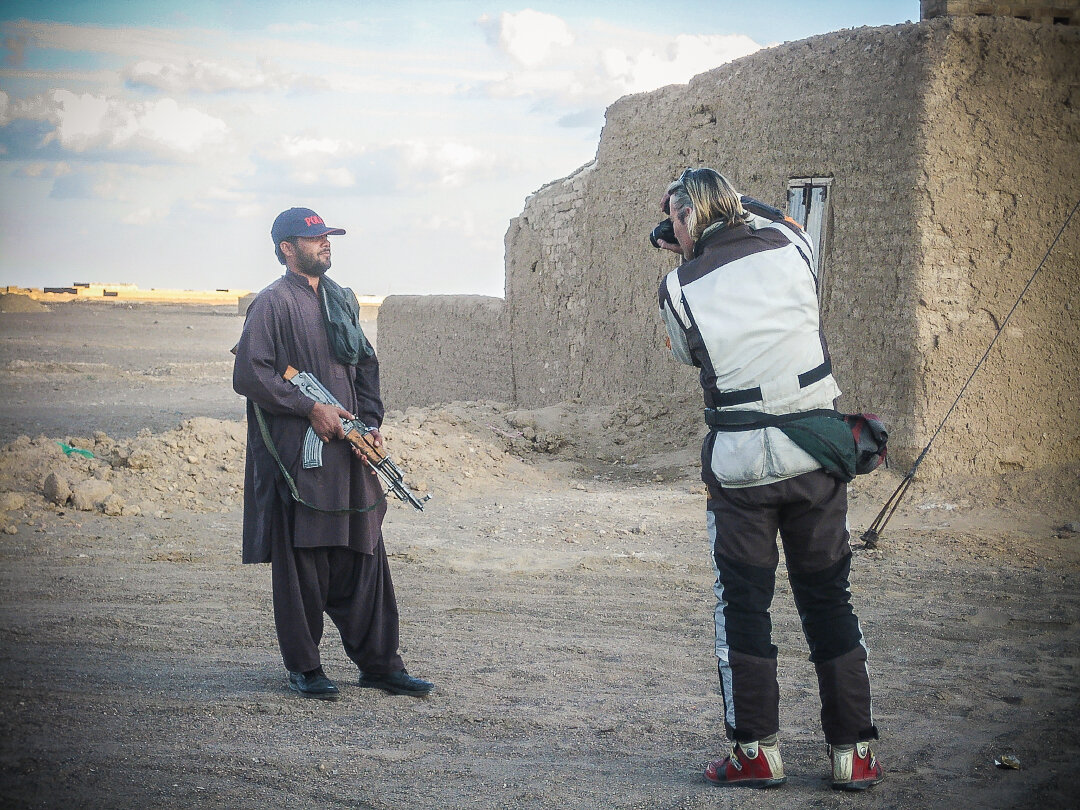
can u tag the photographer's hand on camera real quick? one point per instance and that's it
(672, 234)
(664, 229)
(673, 247)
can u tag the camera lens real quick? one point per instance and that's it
(665, 230)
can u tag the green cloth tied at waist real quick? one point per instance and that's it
(822, 433)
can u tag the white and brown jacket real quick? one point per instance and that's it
(744, 310)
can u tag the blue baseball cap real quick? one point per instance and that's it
(301, 222)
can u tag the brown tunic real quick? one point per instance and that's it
(284, 327)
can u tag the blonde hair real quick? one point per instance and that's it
(710, 199)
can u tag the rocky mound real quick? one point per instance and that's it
(199, 466)
(17, 302)
(462, 450)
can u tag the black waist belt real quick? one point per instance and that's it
(731, 398)
(729, 421)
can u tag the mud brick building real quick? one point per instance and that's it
(933, 161)
(1061, 12)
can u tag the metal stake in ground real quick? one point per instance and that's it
(870, 536)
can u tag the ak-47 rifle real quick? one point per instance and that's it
(357, 434)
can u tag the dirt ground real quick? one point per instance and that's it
(557, 588)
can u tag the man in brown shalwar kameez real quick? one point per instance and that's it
(326, 552)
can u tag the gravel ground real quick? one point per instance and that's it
(561, 602)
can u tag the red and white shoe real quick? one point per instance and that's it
(854, 767)
(752, 764)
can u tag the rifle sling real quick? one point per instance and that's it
(289, 479)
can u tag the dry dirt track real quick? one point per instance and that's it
(567, 622)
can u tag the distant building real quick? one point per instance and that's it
(130, 293)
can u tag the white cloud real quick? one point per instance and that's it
(15, 47)
(312, 161)
(145, 215)
(209, 76)
(84, 121)
(215, 199)
(228, 195)
(179, 61)
(301, 146)
(45, 170)
(139, 43)
(401, 164)
(530, 37)
(340, 177)
(324, 176)
(186, 51)
(182, 129)
(676, 60)
(35, 108)
(552, 64)
(457, 225)
(445, 164)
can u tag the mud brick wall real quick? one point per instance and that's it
(1001, 171)
(1040, 11)
(953, 146)
(442, 348)
(582, 277)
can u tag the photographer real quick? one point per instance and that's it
(743, 309)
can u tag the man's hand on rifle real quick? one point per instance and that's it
(374, 438)
(326, 421)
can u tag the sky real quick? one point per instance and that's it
(153, 143)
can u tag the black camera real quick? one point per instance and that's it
(665, 230)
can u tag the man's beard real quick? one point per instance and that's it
(313, 265)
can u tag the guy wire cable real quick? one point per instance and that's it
(871, 535)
